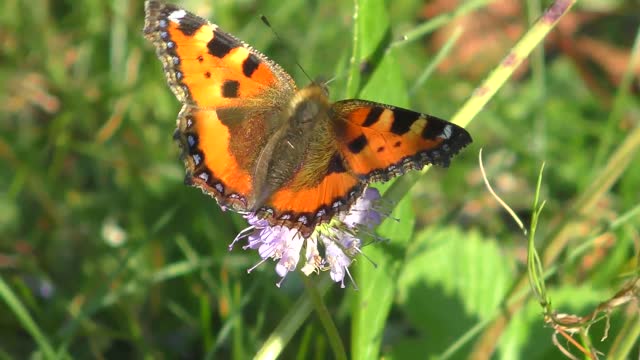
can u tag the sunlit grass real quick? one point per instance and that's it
(86, 153)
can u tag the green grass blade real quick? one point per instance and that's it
(290, 324)
(441, 55)
(433, 24)
(26, 320)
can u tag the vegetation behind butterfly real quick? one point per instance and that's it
(86, 147)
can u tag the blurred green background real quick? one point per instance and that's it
(104, 252)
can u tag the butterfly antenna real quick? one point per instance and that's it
(326, 83)
(266, 22)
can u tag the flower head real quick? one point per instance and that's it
(338, 238)
(364, 212)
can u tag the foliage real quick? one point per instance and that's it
(105, 253)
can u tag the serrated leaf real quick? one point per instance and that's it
(451, 281)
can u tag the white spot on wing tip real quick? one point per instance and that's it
(446, 132)
(177, 15)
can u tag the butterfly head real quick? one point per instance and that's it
(323, 83)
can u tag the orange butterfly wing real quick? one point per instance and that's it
(306, 207)
(210, 68)
(230, 92)
(379, 142)
(205, 141)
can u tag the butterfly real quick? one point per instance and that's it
(258, 144)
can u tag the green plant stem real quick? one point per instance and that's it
(532, 38)
(619, 102)
(439, 21)
(538, 79)
(534, 264)
(442, 53)
(26, 320)
(586, 343)
(521, 294)
(617, 164)
(633, 212)
(290, 324)
(325, 318)
(561, 236)
(626, 339)
(353, 79)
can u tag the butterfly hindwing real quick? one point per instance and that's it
(379, 142)
(305, 207)
(205, 141)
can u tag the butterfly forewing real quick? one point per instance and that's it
(379, 141)
(210, 68)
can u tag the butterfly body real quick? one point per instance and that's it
(256, 143)
(301, 145)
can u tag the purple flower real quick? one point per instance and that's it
(338, 238)
(364, 211)
(338, 262)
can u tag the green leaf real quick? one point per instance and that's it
(377, 284)
(377, 76)
(370, 39)
(26, 320)
(451, 280)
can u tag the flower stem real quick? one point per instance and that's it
(325, 319)
(290, 324)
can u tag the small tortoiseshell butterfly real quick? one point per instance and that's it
(256, 143)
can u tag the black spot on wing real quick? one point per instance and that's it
(221, 44)
(373, 116)
(434, 128)
(336, 165)
(190, 23)
(230, 89)
(358, 144)
(402, 120)
(249, 65)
